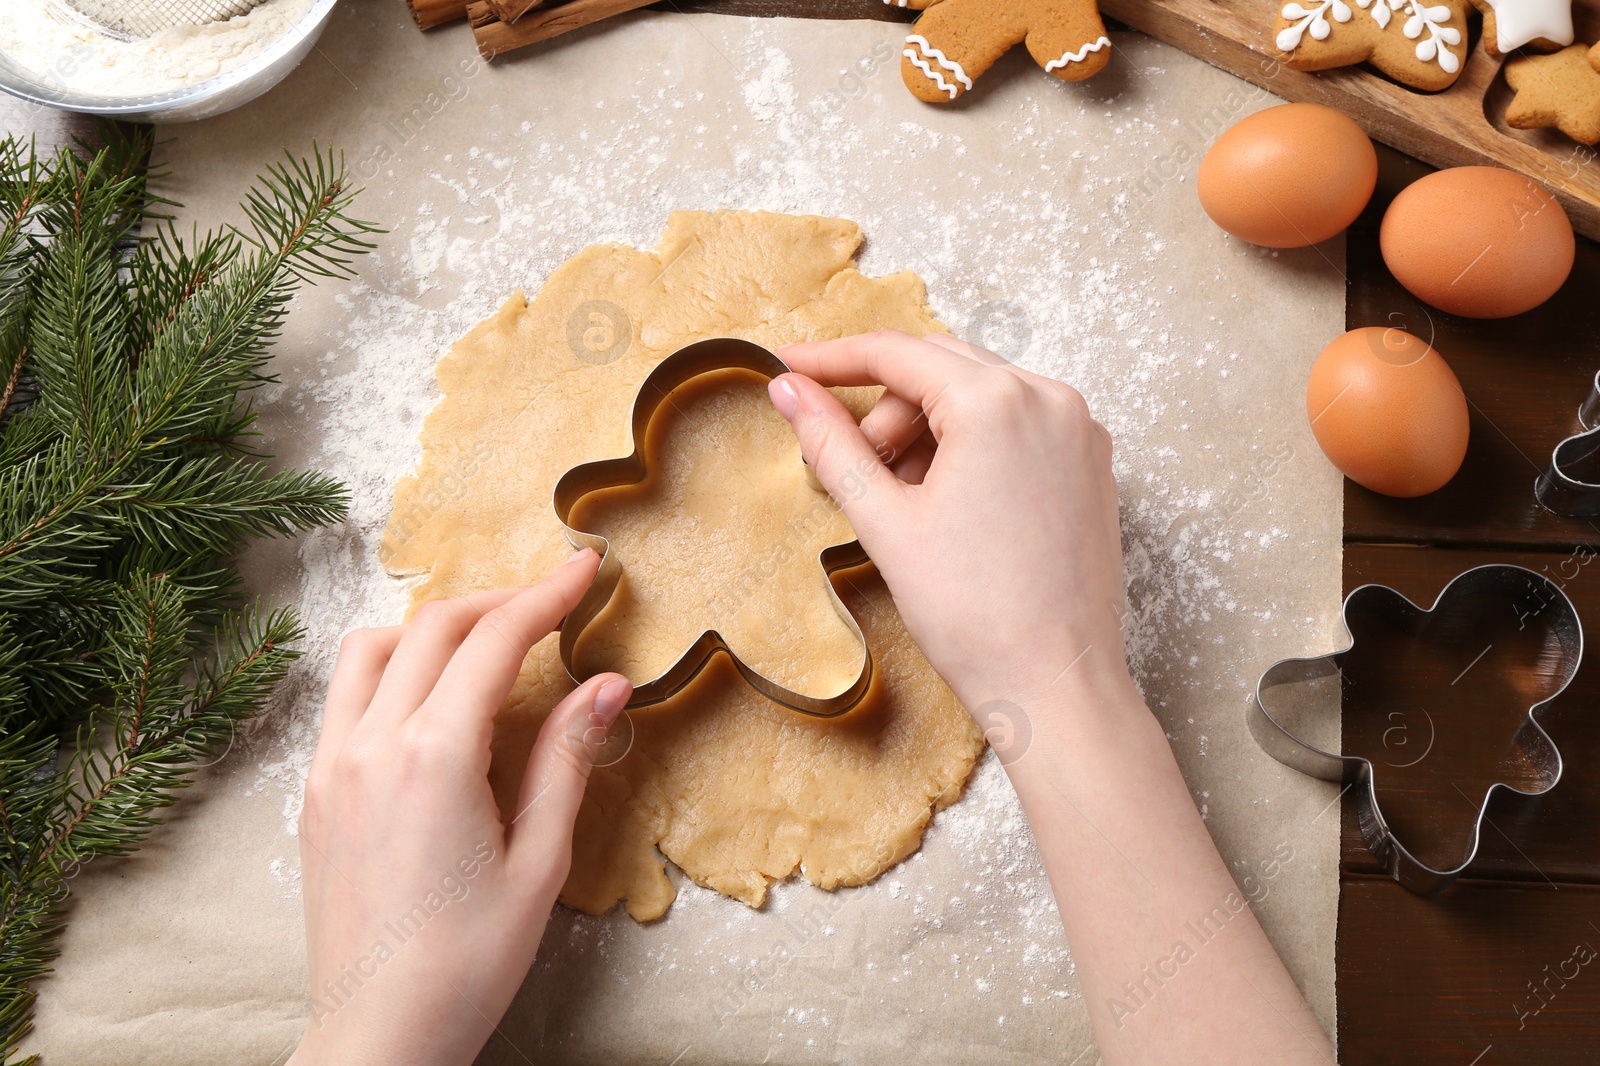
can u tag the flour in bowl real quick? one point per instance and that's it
(69, 54)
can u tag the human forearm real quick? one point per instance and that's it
(1173, 963)
(985, 496)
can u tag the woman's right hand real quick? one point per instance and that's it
(994, 523)
(984, 495)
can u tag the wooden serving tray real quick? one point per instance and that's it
(1463, 125)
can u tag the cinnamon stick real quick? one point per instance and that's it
(495, 36)
(431, 13)
(512, 10)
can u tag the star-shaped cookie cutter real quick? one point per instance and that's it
(675, 370)
(1560, 488)
(1514, 585)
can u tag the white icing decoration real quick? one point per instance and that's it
(1315, 19)
(938, 79)
(1516, 22)
(1077, 57)
(930, 52)
(1435, 47)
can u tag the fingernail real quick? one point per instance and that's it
(784, 398)
(608, 702)
(578, 556)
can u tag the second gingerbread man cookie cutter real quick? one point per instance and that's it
(675, 370)
(1496, 584)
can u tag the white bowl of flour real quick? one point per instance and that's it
(180, 74)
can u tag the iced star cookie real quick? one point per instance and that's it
(955, 41)
(1560, 91)
(1512, 24)
(1419, 44)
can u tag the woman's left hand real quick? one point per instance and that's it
(423, 907)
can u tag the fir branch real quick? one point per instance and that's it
(79, 327)
(209, 347)
(210, 504)
(216, 339)
(129, 478)
(166, 274)
(114, 788)
(79, 323)
(300, 212)
(23, 181)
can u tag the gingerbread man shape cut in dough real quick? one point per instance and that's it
(955, 41)
(733, 527)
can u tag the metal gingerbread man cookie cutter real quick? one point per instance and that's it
(1560, 488)
(675, 370)
(1498, 584)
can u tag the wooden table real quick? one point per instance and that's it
(1450, 979)
(1453, 979)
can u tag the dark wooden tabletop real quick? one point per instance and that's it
(1493, 970)
(1505, 966)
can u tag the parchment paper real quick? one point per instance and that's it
(1055, 223)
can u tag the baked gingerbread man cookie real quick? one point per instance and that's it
(1560, 91)
(955, 41)
(1416, 42)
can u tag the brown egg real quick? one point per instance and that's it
(1289, 176)
(1478, 241)
(1387, 410)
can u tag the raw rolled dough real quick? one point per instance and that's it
(736, 791)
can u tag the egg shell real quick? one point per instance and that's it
(1289, 176)
(1387, 410)
(1481, 242)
